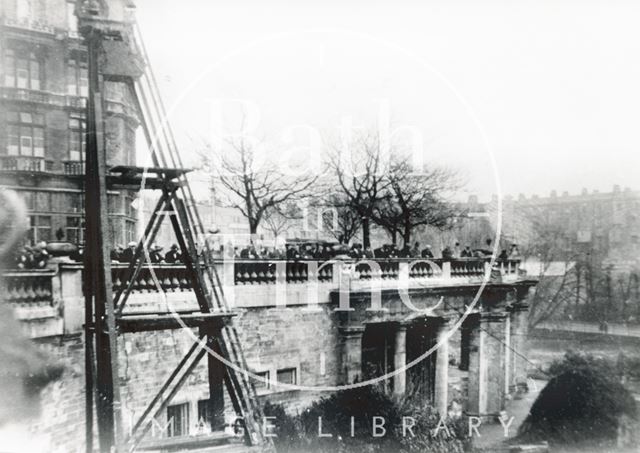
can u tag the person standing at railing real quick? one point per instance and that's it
(466, 253)
(456, 250)
(248, 253)
(368, 253)
(40, 255)
(116, 253)
(426, 252)
(514, 253)
(292, 253)
(415, 251)
(127, 255)
(155, 255)
(447, 253)
(356, 252)
(486, 251)
(504, 256)
(405, 252)
(307, 252)
(173, 255)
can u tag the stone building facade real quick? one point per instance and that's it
(348, 326)
(606, 224)
(43, 94)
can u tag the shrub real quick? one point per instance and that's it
(583, 402)
(286, 429)
(336, 411)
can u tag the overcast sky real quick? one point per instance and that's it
(553, 86)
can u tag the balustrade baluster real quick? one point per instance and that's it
(22, 293)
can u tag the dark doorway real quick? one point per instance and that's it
(421, 336)
(378, 347)
(466, 330)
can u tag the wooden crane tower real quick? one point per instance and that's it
(116, 53)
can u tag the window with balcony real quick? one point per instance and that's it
(77, 75)
(76, 138)
(74, 231)
(25, 133)
(22, 69)
(178, 420)
(39, 228)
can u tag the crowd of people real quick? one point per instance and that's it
(357, 251)
(32, 257)
(156, 254)
(36, 257)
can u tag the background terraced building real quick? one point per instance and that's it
(43, 94)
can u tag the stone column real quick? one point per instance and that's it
(486, 365)
(508, 354)
(442, 370)
(518, 330)
(474, 382)
(400, 360)
(351, 354)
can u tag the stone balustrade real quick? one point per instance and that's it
(25, 163)
(173, 277)
(248, 272)
(71, 167)
(32, 295)
(169, 277)
(26, 287)
(29, 286)
(50, 301)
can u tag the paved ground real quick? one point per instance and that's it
(492, 435)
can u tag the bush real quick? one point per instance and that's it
(286, 429)
(301, 434)
(583, 402)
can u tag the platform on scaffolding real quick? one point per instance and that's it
(170, 321)
(134, 177)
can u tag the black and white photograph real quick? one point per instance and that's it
(242, 226)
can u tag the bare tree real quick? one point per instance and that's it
(278, 220)
(254, 187)
(559, 283)
(381, 186)
(415, 199)
(341, 221)
(362, 177)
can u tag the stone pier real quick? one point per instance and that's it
(517, 365)
(351, 353)
(400, 360)
(442, 369)
(487, 364)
